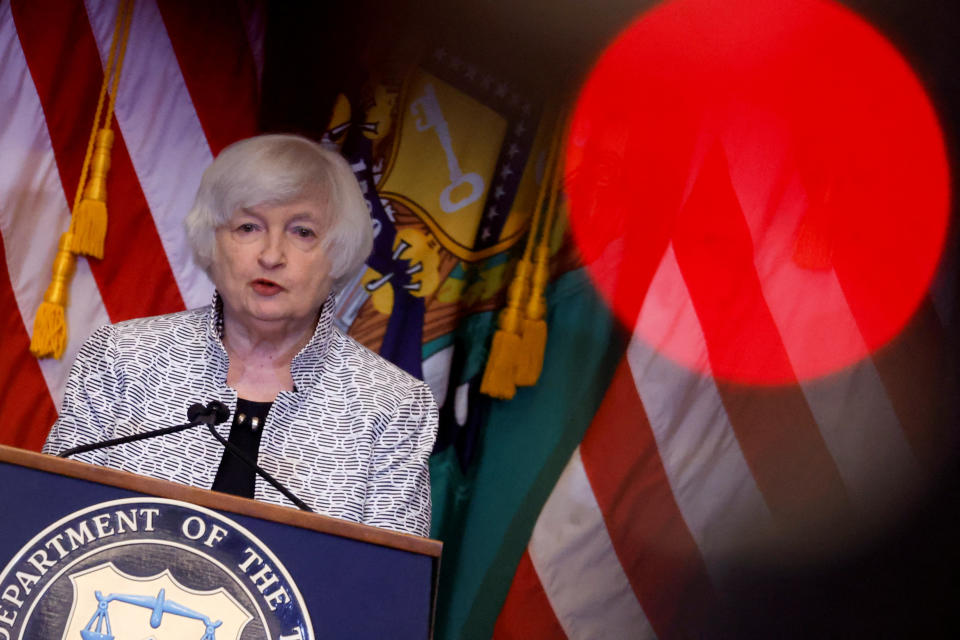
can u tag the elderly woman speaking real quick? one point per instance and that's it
(279, 224)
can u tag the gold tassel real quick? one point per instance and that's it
(89, 222)
(507, 352)
(530, 360)
(498, 377)
(530, 363)
(50, 324)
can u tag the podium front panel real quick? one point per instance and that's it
(58, 531)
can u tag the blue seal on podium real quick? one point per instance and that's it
(149, 569)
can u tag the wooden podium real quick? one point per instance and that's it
(90, 552)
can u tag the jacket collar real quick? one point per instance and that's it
(306, 365)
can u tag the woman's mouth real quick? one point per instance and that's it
(265, 287)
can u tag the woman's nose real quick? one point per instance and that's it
(273, 251)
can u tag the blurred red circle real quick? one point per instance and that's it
(760, 188)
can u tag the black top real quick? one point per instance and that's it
(234, 476)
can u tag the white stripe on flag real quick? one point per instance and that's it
(800, 300)
(711, 482)
(865, 438)
(851, 407)
(163, 134)
(33, 208)
(575, 560)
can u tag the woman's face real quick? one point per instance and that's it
(269, 265)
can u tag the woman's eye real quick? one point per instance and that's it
(304, 232)
(247, 227)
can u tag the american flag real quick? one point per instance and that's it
(189, 87)
(679, 477)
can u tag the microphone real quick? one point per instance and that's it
(211, 415)
(214, 413)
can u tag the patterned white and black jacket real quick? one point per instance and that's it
(352, 440)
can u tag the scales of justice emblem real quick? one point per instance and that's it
(173, 612)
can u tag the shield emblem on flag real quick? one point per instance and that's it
(448, 147)
(110, 604)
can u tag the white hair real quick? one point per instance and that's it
(278, 169)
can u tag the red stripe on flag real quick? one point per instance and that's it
(651, 538)
(134, 277)
(527, 613)
(25, 402)
(777, 432)
(211, 45)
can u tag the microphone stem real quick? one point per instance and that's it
(232, 448)
(208, 419)
(132, 438)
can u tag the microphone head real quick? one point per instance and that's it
(218, 410)
(195, 411)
